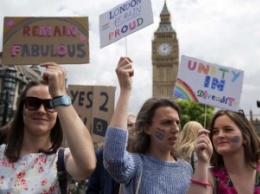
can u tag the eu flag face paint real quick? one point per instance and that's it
(159, 133)
(235, 139)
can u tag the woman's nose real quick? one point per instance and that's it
(221, 133)
(41, 108)
(175, 128)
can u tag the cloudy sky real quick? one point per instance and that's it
(225, 32)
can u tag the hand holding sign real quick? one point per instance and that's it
(124, 73)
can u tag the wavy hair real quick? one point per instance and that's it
(16, 130)
(252, 141)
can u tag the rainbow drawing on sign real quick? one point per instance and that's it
(183, 90)
(105, 26)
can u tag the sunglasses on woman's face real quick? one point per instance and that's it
(33, 103)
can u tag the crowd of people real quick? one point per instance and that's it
(146, 153)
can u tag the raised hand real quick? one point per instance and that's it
(203, 146)
(124, 73)
(54, 75)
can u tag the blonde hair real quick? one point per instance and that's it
(186, 138)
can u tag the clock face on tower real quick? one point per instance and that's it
(164, 49)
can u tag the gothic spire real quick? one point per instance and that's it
(165, 17)
(165, 10)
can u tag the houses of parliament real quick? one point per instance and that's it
(165, 63)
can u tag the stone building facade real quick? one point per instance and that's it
(13, 79)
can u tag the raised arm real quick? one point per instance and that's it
(120, 164)
(82, 161)
(124, 73)
(202, 181)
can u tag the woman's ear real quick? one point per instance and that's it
(147, 130)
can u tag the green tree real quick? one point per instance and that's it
(191, 111)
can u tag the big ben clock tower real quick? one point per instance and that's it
(165, 56)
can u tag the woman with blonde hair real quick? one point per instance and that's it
(185, 142)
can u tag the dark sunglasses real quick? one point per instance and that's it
(33, 103)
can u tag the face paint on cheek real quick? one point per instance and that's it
(161, 130)
(159, 135)
(235, 139)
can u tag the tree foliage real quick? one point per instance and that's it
(191, 111)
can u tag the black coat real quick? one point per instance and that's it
(100, 182)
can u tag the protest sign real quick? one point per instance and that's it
(208, 83)
(123, 20)
(33, 40)
(95, 106)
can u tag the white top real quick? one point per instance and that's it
(32, 173)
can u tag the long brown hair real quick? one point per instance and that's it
(16, 130)
(252, 141)
(145, 118)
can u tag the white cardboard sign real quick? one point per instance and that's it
(209, 83)
(124, 19)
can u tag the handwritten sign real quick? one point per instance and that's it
(123, 20)
(95, 106)
(208, 83)
(32, 40)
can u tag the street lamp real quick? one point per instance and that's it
(5, 113)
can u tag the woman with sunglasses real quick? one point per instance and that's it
(153, 167)
(235, 160)
(44, 113)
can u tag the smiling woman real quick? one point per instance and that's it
(235, 158)
(35, 136)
